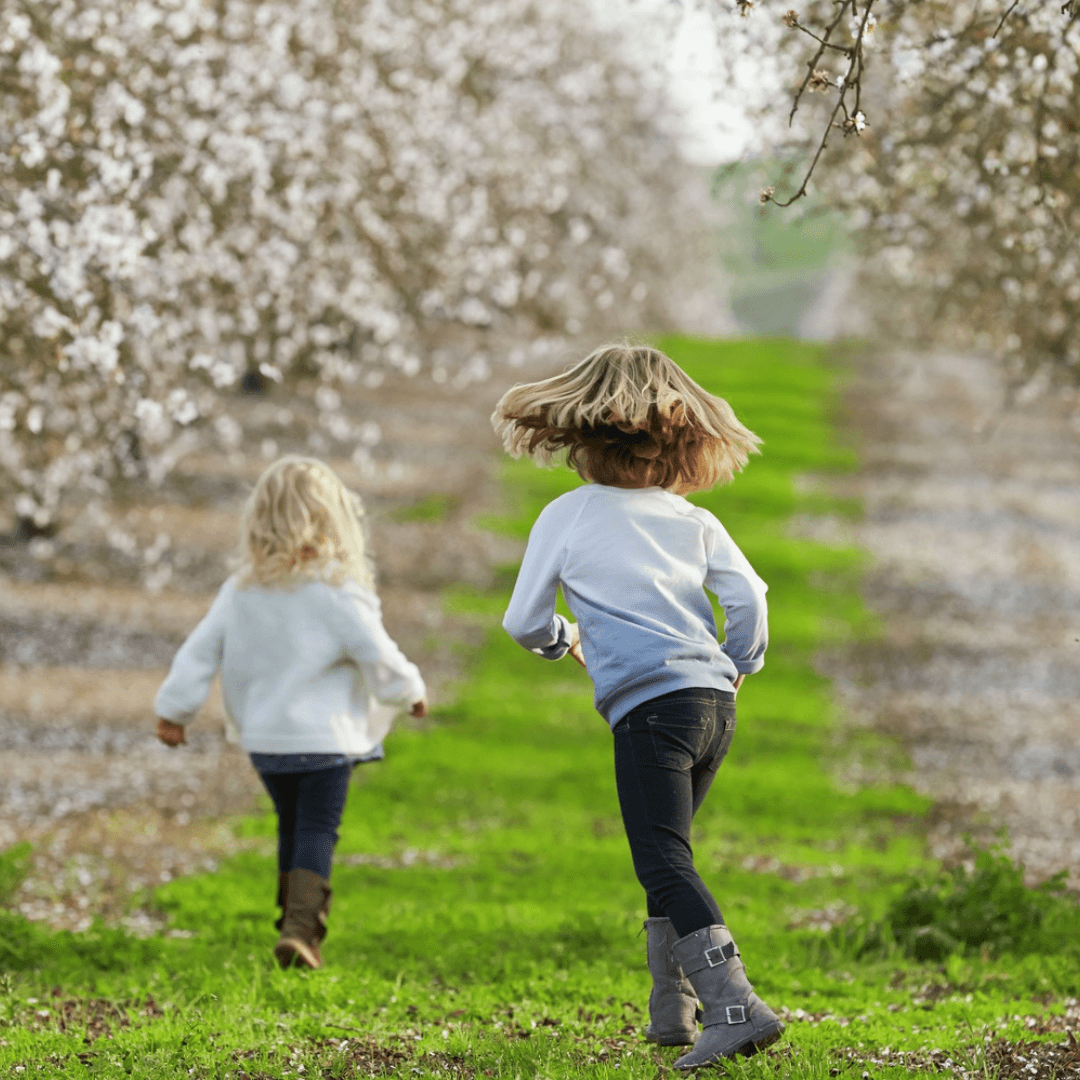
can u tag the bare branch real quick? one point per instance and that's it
(812, 64)
(854, 121)
(822, 41)
(1005, 18)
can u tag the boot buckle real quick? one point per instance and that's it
(718, 950)
(736, 1014)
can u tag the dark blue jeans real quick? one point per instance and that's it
(309, 807)
(667, 752)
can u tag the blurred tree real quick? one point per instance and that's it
(963, 176)
(968, 198)
(192, 190)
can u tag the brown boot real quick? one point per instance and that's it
(307, 904)
(282, 881)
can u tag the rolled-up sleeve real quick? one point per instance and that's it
(741, 594)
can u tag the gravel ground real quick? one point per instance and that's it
(971, 519)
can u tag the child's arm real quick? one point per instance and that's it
(530, 619)
(391, 678)
(193, 669)
(742, 596)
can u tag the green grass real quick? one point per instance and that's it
(777, 259)
(486, 916)
(435, 507)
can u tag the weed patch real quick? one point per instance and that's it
(984, 908)
(26, 946)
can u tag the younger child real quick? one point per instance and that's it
(633, 559)
(310, 676)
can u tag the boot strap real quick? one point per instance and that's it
(714, 956)
(736, 1014)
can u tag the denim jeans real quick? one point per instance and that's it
(667, 752)
(309, 807)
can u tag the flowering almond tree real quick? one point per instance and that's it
(968, 194)
(195, 189)
(952, 131)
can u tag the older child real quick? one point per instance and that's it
(633, 559)
(310, 676)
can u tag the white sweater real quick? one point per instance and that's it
(305, 669)
(633, 564)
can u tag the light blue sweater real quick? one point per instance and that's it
(633, 564)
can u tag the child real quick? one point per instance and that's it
(310, 676)
(634, 558)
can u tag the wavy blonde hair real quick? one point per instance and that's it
(301, 523)
(628, 416)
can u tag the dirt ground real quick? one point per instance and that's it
(976, 576)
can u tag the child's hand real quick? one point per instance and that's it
(575, 645)
(738, 681)
(170, 734)
(419, 709)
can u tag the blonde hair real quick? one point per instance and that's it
(628, 416)
(302, 523)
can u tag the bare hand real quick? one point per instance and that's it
(171, 734)
(419, 709)
(575, 645)
(738, 681)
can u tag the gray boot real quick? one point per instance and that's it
(672, 1003)
(735, 1019)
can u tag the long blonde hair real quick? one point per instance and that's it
(629, 416)
(302, 523)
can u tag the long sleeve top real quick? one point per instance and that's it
(633, 564)
(305, 669)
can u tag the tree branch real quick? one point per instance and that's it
(1005, 18)
(852, 79)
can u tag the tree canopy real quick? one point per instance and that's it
(959, 163)
(190, 191)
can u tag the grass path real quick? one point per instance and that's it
(486, 916)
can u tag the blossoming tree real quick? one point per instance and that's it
(192, 190)
(968, 194)
(958, 161)
(195, 189)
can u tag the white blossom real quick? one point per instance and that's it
(969, 194)
(965, 188)
(189, 191)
